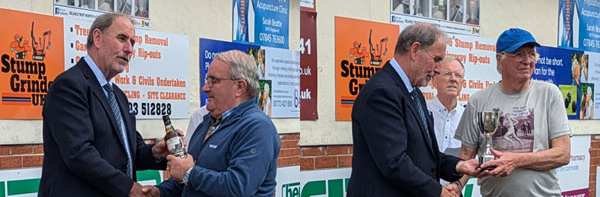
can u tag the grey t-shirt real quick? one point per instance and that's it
(528, 121)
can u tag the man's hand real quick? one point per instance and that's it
(505, 163)
(160, 150)
(178, 166)
(454, 188)
(469, 167)
(136, 190)
(151, 191)
(447, 193)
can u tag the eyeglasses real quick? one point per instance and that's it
(521, 55)
(211, 80)
(450, 74)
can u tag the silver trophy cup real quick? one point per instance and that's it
(487, 122)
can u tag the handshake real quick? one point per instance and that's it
(178, 162)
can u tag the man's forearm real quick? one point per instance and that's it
(558, 155)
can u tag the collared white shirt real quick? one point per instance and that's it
(445, 123)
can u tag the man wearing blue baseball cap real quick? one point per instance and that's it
(529, 159)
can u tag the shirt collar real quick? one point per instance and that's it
(436, 104)
(230, 111)
(97, 72)
(402, 74)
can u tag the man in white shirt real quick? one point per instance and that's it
(444, 107)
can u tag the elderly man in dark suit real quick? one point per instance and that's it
(395, 150)
(90, 141)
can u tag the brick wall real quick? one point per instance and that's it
(21, 156)
(313, 157)
(322, 157)
(289, 154)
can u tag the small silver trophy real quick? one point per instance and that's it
(487, 122)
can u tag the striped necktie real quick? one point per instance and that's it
(117, 112)
(415, 96)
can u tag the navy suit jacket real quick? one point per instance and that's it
(84, 153)
(391, 154)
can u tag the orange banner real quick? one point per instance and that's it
(361, 48)
(31, 56)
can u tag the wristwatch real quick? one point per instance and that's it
(459, 184)
(186, 176)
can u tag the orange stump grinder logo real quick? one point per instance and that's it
(24, 72)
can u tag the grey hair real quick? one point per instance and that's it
(425, 34)
(241, 66)
(448, 59)
(102, 23)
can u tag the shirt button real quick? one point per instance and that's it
(446, 137)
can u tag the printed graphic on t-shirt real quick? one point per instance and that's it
(515, 131)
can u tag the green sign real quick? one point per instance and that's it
(31, 186)
(332, 187)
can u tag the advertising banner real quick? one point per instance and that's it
(592, 75)
(578, 24)
(562, 67)
(576, 73)
(478, 55)
(156, 81)
(308, 66)
(448, 27)
(361, 48)
(87, 12)
(278, 72)
(261, 22)
(452, 16)
(210, 48)
(283, 70)
(32, 57)
(291, 182)
(574, 177)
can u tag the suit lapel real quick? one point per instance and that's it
(410, 103)
(98, 92)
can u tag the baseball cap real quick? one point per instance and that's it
(513, 39)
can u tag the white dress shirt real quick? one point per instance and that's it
(445, 124)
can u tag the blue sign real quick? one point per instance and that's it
(261, 22)
(562, 67)
(209, 49)
(578, 24)
(554, 65)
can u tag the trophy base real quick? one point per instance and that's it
(489, 168)
(483, 160)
